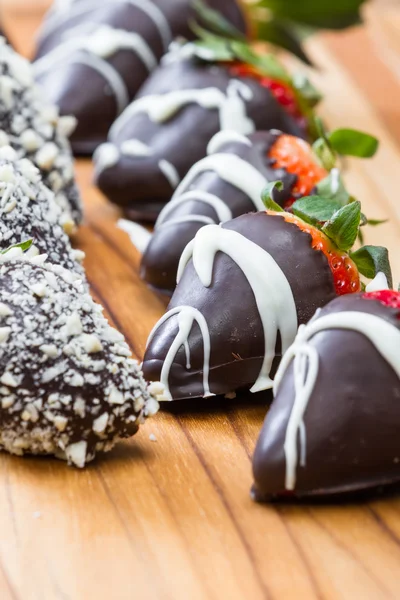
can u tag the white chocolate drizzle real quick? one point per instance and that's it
(187, 316)
(93, 50)
(161, 107)
(233, 170)
(224, 213)
(222, 138)
(103, 42)
(105, 156)
(135, 148)
(189, 219)
(110, 75)
(271, 289)
(170, 173)
(382, 334)
(221, 208)
(139, 235)
(67, 10)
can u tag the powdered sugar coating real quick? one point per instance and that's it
(68, 386)
(28, 210)
(36, 131)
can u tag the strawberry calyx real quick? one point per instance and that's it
(334, 230)
(387, 297)
(295, 94)
(295, 156)
(345, 273)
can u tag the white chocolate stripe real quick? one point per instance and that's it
(103, 43)
(271, 289)
(382, 334)
(226, 137)
(60, 17)
(188, 219)
(135, 148)
(233, 170)
(112, 76)
(139, 235)
(105, 156)
(223, 211)
(170, 173)
(162, 107)
(187, 315)
(108, 155)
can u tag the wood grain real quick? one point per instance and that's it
(173, 519)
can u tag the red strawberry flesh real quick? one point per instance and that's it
(386, 297)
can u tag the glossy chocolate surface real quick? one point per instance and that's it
(229, 307)
(81, 90)
(137, 183)
(160, 261)
(351, 421)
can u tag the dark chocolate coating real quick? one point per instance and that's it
(81, 91)
(137, 183)
(160, 261)
(352, 418)
(229, 307)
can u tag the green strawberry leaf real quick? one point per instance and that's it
(375, 222)
(266, 196)
(303, 85)
(23, 245)
(350, 142)
(315, 210)
(324, 153)
(280, 34)
(212, 50)
(316, 13)
(333, 187)
(371, 260)
(268, 64)
(215, 21)
(210, 47)
(344, 225)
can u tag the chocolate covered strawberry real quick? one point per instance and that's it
(333, 426)
(387, 297)
(246, 286)
(92, 57)
(228, 182)
(199, 90)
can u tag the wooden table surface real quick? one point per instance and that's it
(173, 519)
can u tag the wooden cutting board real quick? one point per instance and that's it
(172, 518)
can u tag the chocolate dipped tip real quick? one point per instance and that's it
(223, 185)
(68, 385)
(151, 146)
(35, 130)
(92, 60)
(221, 332)
(332, 428)
(29, 211)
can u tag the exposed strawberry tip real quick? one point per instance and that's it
(345, 274)
(282, 92)
(386, 297)
(296, 157)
